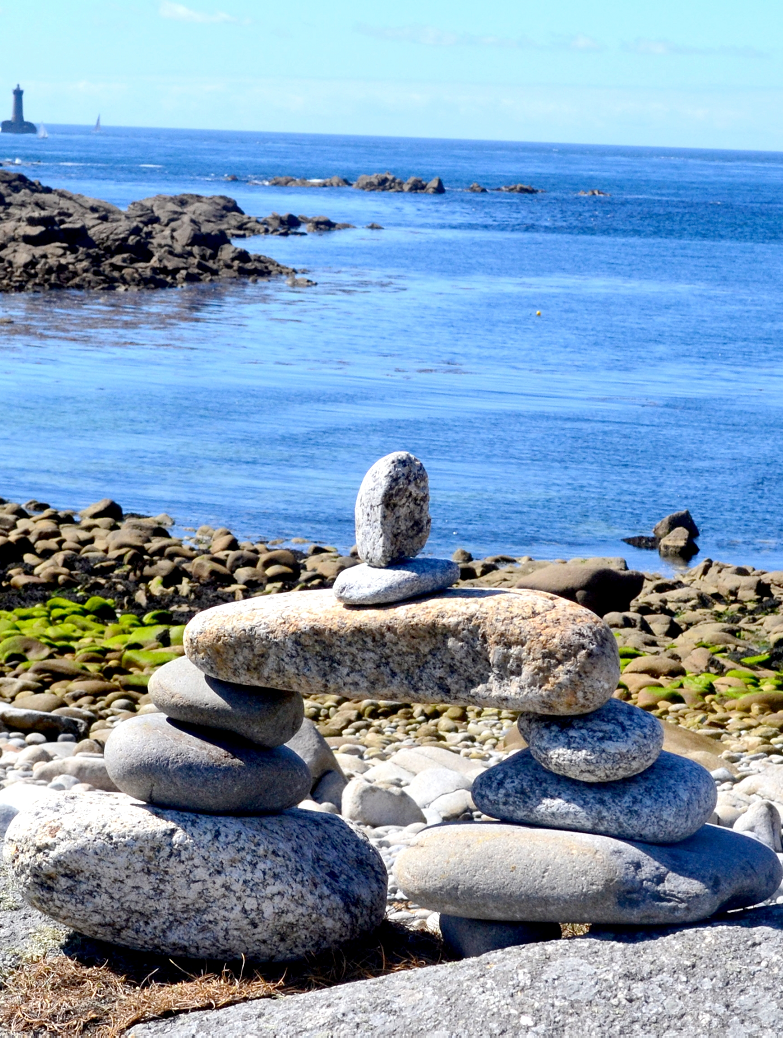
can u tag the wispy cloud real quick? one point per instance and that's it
(658, 48)
(180, 13)
(429, 36)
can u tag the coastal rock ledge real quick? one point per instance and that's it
(51, 238)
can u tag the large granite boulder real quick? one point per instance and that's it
(511, 649)
(202, 886)
(489, 870)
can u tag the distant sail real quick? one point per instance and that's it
(43, 133)
(97, 127)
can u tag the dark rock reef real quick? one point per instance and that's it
(520, 189)
(51, 238)
(334, 181)
(388, 182)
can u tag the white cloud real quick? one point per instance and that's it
(429, 36)
(180, 13)
(659, 48)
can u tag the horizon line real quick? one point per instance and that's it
(398, 137)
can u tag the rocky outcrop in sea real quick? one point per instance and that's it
(51, 238)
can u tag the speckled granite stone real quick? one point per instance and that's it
(266, 716)
(614, 742)
(488, 870)
(664, 804)
(368, 586)
(392, 510)
(521, 650)
(189, 768)
(269, 888)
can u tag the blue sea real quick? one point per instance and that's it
(652, 379)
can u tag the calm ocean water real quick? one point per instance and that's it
(653, 379)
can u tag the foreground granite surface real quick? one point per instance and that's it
(719, 979)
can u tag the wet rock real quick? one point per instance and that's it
(674, 521)
(203, 886)
(510, 649)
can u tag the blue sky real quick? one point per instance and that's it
(690, 73)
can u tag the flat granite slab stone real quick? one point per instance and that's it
(523, 650)
(720, 979)
(665, 803)
(203, 886)
(491, 870)
(369, 586)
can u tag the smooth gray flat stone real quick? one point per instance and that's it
(492, 870)
(719, 979)
(469, 937)
(367, 586)
(204, 886)
(165, 762)
(315, 751)
(266, 716)
(614, 742)
(666, 803)
(392, 510)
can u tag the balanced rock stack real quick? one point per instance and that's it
(392, 527)
(604, 828)
(207, 859)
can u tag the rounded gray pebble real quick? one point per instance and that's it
(614, 742)
(664, 804)
(168, 763)
(267, 716)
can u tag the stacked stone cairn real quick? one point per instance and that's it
(207, 855)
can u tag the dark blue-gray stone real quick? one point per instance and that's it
(468, 937)
(267, 716)
(614, 742)
(171, 764)
(664, 804)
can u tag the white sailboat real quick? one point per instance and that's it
(43, 133)
(97, 127)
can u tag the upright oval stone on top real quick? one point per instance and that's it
(392, 510)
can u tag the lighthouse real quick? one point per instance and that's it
(16, 123)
